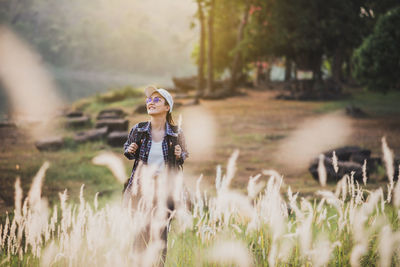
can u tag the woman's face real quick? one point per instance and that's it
(155, 107)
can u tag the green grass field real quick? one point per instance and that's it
(273, 122)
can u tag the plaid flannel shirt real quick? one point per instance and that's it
(144, 151)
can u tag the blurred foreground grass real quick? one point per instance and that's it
(262, 227)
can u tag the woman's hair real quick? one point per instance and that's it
(169, 116)
(170, 120)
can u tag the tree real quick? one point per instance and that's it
(221, 38)
(289, 29)
(237, 52)
(377, 60)
(200, 66)
(345, 26)
(210, 42)
(304, 31)
(227, 18)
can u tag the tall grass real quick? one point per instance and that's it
(267, 226)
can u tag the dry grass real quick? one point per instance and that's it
(347, 226)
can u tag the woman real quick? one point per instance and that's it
(157, 142)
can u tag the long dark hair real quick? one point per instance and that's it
(169, 118)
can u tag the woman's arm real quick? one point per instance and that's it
(131, 138)
(182, 143)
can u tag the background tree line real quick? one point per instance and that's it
(304, 33)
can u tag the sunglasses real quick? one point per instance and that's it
(155, 99)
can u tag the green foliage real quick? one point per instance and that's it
(377, 60)
(227, 17)
(303, 30)
(306, 31)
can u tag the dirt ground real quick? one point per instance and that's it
(256, 123)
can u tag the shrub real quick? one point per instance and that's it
(377, 60)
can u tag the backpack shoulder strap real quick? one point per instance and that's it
(141, 124)
(172, 141)
(140, 137)
(174, 128)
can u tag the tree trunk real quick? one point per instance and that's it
(317, 73)
(200, 66)
(237, 56)
(259, 74)
(349, 79)
(210, 58)
(15, 11)
(288, 69)
(268, 72)
(337, 64)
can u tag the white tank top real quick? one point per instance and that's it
(156, 155)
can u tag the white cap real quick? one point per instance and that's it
(149, 90)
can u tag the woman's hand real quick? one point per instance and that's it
(132, 148)
(178, 151)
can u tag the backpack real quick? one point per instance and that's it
(172, 141)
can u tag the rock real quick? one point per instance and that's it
(350, 153)
(108, 117)
(113, 124)
(91, 135)
(115, 111)
(344, 168)
(350, 158)
(396, 168)
(141, 109)
(75, 122)
(50, 144)
(182, 96)
(74, 114)
(117, 138)
(355, 112)
(372, 163)
(112, 113)
(8, 124)
(170, 89)
(192, 102)
(185, 83)
(177, 105)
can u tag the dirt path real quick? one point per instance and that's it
(257, 124)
